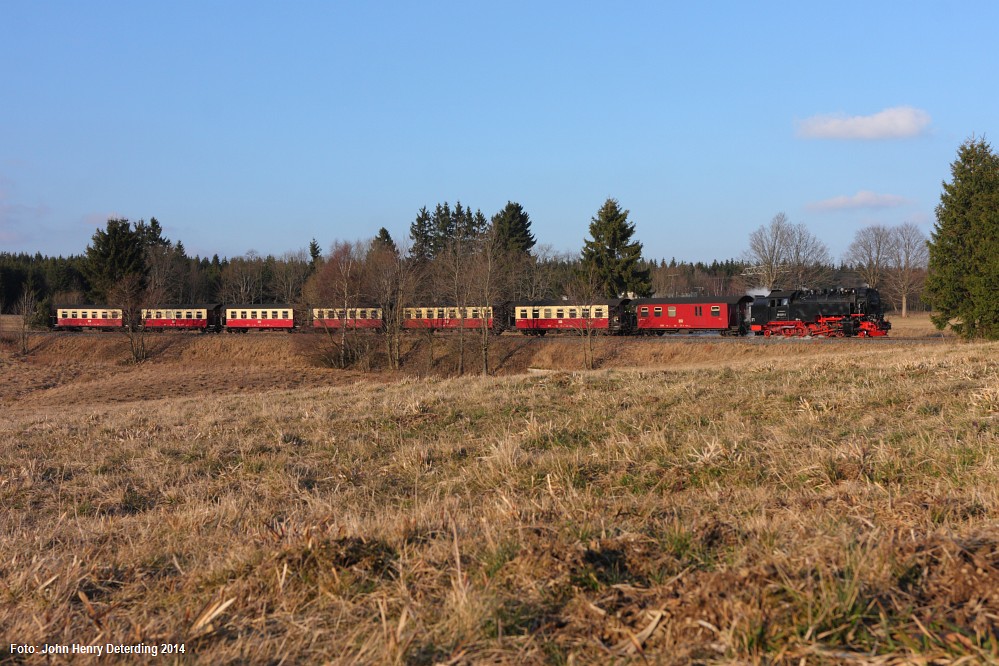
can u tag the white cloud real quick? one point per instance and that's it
(862, 199)
(894, 123)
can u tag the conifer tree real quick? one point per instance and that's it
(315, 255)
(383, 241)
(421, 235)
(612, 256)
(963, 282)
(513, 229)
(114, 253)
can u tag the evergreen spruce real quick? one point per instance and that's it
(432, 233)
(315, 255)
(383, 241)
(612, 257)
(421, 235)
(513, 229)
(114, 253)
(963, 282)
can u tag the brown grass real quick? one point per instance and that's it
(825, 501)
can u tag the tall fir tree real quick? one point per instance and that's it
(513, 229)
(114, 253)
(315, 255)
(963, 281)
(421, 234)
(432, 232)
(383, 241)
(612, 257)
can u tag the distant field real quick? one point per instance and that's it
(9, 323)
(713, 501)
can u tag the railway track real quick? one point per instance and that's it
(685, 338)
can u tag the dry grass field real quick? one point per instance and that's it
(690, 501)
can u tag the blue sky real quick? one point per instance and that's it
(259, 126)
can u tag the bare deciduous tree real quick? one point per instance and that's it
(25, 310)
(909, 259)
(782, 254)
(535, 279)
(242, 279)
(338, 280)
(871, 252)
(808, 260)
(290, 274)
(391, 280)
(583, 293)
(490, 278)
(130, 296)
(767, 251)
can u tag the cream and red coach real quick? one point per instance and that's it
(540, 317)
(207, 317)
(452, 318)
(79, 317)
(723, 314)
(259, 317)
(351, 318)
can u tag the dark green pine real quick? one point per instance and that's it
(612, 256)
(963, 281)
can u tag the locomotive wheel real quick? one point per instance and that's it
(766, 333)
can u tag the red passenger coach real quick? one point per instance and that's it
(540, 317)
(182, 317)
(351, 318)
(726, 315)
(450, 318)
(261, 317)
(79, 317)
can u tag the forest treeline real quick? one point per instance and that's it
(439, 259)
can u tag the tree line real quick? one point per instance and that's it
(455, 254)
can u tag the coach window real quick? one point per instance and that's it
(535, 313)
(716, 311)
(657, 311)
(274, 314)
(671, 311)
(475, 313)
(572, 313)
(586, 313)
(644, 311)
(560, 314)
